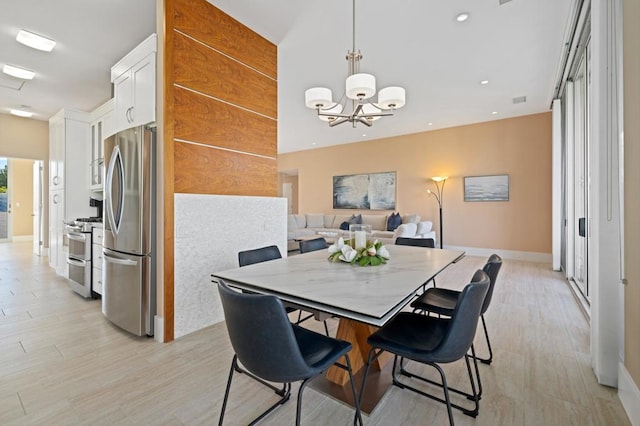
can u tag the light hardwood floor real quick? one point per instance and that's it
(63, 363)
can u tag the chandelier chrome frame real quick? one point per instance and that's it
(359, 88)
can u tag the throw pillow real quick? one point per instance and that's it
(358, 219)
(353, 219)
(394, 221)
(344, 226)
(406, 230)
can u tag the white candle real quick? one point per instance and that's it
(361, 239)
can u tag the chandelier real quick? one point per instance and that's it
(359, 89)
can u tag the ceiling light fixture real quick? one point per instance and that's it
(483, 82)
(18, 72)
(21, 113)
(35, 41)
(359, 88)
(461, 17)
(494, 112)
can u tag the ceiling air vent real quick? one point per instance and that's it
(504, 1)
(520, 100)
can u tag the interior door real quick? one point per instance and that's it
(581, 174)
(5, 200)
(37, 207)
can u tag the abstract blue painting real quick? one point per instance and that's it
(486, 188)
(374, 191)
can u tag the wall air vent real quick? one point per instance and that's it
(520, 100)
(504, 1)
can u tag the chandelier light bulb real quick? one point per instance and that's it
(391, 97)
(330, 114)
(318, 97)
(360, 86)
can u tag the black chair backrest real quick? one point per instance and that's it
(262, 335)
(313, 245)
(464, 320)
(249, 257)
(416, 242)
(492, 267)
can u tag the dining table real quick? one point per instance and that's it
(363, 298)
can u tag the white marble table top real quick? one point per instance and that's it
(370, 294)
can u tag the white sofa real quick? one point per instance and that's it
(310, 224)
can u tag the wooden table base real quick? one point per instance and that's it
(336, 381)
(378, 383)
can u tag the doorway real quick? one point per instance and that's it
(5, 207)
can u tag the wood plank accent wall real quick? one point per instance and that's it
(220, 114)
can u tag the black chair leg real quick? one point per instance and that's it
(285, 392)
(226, 392)
(299, 406)
(357, 420)
(486, 336)
(445, 389)
(326, 328)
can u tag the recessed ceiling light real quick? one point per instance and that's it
(483, 82)
(18, 72)
(35, 41)
(429, 124)
(461, 17)
(494, 112)
(364, 134)
(21, 113)
(313, 143)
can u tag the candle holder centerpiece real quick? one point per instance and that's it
(359, 248)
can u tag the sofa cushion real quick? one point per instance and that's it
(378, 222)
(292, 225)
(424, 227)
(393, 221)
(411, 218)
(328, 221)
(339, 219)
(315, 220)
(406, 230)
(301, 220)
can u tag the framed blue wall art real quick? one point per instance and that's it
(373, 191)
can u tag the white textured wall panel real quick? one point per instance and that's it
(209, 232)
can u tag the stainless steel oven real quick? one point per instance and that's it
(79, 260)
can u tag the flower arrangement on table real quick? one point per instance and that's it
(373, 253)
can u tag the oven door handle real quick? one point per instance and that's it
(74, 262)
(125, 262)
(78, 237)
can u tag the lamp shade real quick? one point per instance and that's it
(391, 97)
(370, 109)
(318, 97)
(360, 86)
(327, 113)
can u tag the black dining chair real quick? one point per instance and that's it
(271, 349)
(443, 301)
(434, 341)
(313, 245)
(264, 254)
(418, 242)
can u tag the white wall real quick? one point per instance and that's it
(209, 232)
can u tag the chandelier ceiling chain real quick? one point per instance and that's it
(359, 88)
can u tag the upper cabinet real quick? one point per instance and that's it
(134, 83)
(102, 126)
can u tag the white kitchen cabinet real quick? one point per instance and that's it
(134, 84)
(102, 126)
(96, 260)
(69, 150)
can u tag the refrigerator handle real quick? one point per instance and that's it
(107, 189)
(125, 262)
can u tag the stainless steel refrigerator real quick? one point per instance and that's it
(128, 273)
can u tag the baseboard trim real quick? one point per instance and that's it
(528, 256)
(158, 329)
(629, 395)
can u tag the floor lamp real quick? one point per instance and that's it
(439, 181)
